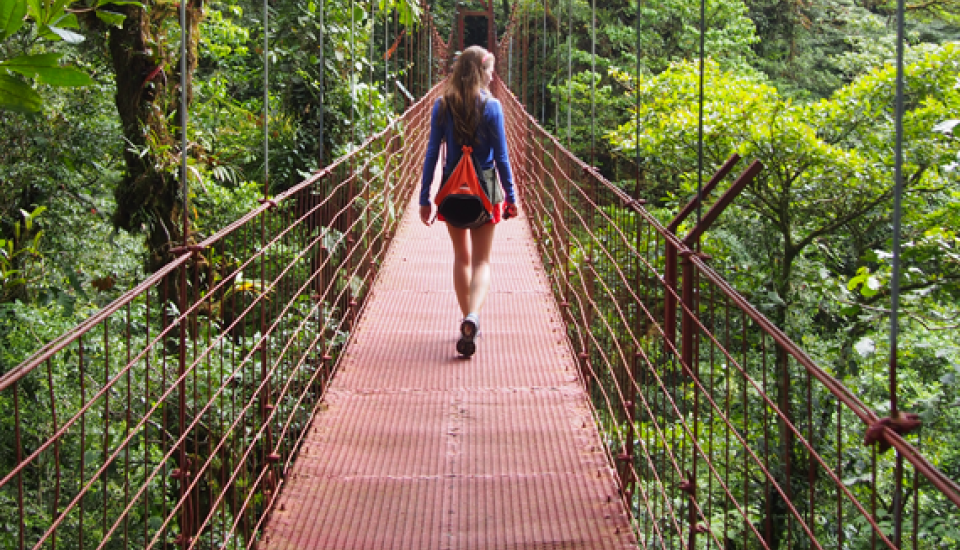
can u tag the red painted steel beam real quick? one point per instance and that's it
(721, 205)
(707, 189)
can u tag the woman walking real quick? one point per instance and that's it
(467, 115)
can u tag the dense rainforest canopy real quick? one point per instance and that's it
(90, 197)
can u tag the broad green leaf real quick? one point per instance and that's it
(16, 95)
(12, 13)
(65, 76)
(871, 287)
(27, 64)
(69, 37)
(60, 6)
(111, 18)
(45, 68)
(36, 11)
(66, 21)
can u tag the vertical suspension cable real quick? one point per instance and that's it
(695, 363)
(323, 71)
(569, 70)
(543, 67)
(510, 63)
(429, 53)
(636, 89)
(185, 519)
(895, 283)
(372, 38)
(266, 99)
(353, 80)
(386, 55)
(184, 184)
(556, 70)
(522, 70)
(593, 82)
(897, 205)
(265, 391)
(703, 24)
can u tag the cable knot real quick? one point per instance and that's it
(689, 486)
(903, 424)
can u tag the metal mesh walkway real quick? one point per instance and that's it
(418, 449)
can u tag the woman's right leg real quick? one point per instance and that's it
(481, 241)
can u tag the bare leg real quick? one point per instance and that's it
(482, 240)
(461, 267)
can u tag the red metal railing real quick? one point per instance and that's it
(725, 434)
(171, 417)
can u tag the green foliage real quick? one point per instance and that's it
(809, 241)
(409, 11)
(812, 50)
(51, 22)
(21, 257)
(827, 163)
(807, 89)
(669, 32)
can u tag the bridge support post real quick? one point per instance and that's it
(670, 299)
(688, 328)
(690, 363)
(183, 473)
(589, 282)
(625, 458)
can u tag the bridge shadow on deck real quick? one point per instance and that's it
(418, 449)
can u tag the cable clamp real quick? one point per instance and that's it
(191, 248)
(689, 486)
(903, 424)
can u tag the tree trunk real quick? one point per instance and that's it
(147, 67)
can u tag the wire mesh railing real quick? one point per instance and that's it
(171, 417)
(724, 433)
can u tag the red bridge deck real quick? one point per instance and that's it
(418, 449)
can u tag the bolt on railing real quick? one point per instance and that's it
(723, 432)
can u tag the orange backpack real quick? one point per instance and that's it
(462, 200)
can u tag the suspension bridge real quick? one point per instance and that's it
(291, 381)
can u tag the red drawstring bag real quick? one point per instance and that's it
(462, 200)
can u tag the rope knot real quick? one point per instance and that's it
(903, 424)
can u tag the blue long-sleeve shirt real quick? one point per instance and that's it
(490, 148)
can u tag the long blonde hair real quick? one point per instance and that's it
(462, 91)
